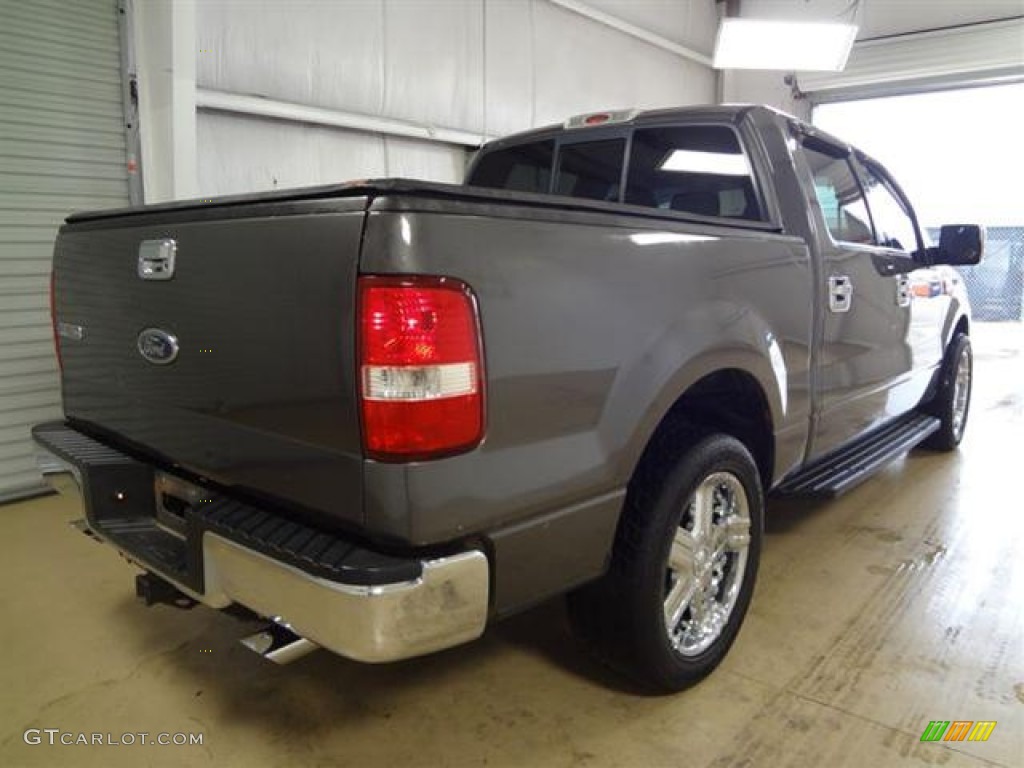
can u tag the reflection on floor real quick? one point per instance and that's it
(900, 604)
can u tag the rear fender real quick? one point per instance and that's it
(711, 338)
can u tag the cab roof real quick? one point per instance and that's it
(731, 113)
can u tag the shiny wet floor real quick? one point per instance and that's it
(899, 604)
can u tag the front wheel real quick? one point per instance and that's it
(952, 401)
(683, 569)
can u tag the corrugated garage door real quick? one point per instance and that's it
(987, 53)
(62, 148)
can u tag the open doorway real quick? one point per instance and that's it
(959, 158)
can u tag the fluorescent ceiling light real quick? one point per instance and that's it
(691, 161)
(785, 45)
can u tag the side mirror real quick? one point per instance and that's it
(959, 245)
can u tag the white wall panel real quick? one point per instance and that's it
(241, 154)
(691, 24)
(509, 63)
(413, 159)
(750, 86)
(582, 65)
(155, 75)
(433, 62)
(494, 66)
(326, 54)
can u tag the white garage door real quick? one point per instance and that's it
(62, 148)
(976, 54)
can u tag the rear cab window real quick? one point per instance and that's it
(591, 169)
(698, 169)
(519, 168)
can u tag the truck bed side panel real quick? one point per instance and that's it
(593, 325)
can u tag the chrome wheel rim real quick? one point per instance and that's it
(961, 392)
(706, 563)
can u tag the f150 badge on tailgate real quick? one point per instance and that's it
(158, 346)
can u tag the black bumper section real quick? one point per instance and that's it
(120, 505)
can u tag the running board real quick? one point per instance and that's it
(852, 465)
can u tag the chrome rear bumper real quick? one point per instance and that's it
(445, 606)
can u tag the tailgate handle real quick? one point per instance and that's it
(156, 259)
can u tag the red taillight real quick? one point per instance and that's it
(53, 319)
(420, 367)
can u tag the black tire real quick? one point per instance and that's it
(944, 405)
(622, 616)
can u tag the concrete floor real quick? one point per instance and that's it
(901, 603)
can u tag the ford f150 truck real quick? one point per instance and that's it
(382, 414)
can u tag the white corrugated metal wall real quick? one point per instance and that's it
(478, 66)
(62, 148)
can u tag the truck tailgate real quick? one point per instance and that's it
(261, 395)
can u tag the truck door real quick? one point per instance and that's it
(926, 291)
(863, 357)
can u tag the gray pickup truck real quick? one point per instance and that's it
(382, 414)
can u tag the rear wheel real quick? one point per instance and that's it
(952, 401)
(683, 569)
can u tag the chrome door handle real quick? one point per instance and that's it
(903, 293)
(840, 293)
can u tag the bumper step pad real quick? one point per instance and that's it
(120, 506)
(310, 550)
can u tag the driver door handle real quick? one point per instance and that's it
(840, 293)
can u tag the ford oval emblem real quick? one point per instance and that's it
(157, 346)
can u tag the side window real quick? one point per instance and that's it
(697, 169)
(591, 169)
(523, 168)
(893, 226)
(840, 197)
